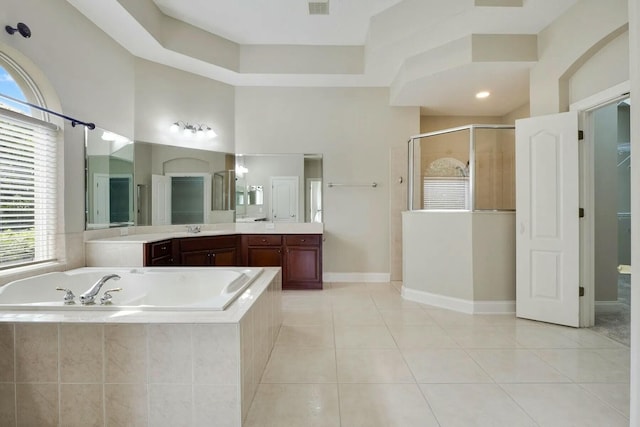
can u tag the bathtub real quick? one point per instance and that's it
(143, 289)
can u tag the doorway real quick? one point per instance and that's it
(609, 145)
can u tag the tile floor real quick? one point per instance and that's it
(360, 355)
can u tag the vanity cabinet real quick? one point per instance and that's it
(303, 262)
(299, 255)
(219, 251)
(159, 253)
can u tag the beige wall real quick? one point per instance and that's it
(353, 128)
(566, 44)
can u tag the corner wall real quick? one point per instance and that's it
(354, 129)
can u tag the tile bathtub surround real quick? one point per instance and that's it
(86, 374)
(359, 355)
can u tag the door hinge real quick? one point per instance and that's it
(580, 212)
(581, 291)
(580, 135)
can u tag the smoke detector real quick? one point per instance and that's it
(319, 7)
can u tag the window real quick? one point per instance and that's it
(28, 181)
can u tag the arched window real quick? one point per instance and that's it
(28, 172)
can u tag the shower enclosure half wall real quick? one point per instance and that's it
(459, 229)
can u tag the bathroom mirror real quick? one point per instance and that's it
(278, 187)
(177, 185)
(109, 180)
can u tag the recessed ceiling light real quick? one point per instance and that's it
(482, 95)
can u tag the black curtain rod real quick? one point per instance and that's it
(73, 121)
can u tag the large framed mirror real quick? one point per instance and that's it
(278, 187)
(143, 183)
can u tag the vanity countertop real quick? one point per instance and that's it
(152, 234)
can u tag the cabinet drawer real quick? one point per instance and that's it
(264, 240)
(160, 249)
(206, 243)
(302, 239)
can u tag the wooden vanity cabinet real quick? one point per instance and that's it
(302, 262)
(218, 251)
(159, 253)
(299, 255)
(263, 250)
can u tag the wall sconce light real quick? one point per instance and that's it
(198, 130)
(22, 28)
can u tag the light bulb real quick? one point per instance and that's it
(174, 127)
(188, 130)
(482, 95)
(211, 133)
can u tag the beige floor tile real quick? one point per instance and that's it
(616, 395)
(484, 337)
(307, 317)
(308, 405)
(468, 405)
(372, 366)
(444, 366)
(587, 366)
(363, 337)
(382, 405)
(589, 339)
(448, 318)
(543, 336)
(516, 366)
(421, 336)
(306, 336)
(300, 365)
(406, 316)
(357, 316)
(353, 301)
(560, 405)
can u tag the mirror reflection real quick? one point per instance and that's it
(109, 180)
(177, 185)
(279, 188)
(143, 183)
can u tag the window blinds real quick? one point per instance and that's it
(28, 183)
(446, 193)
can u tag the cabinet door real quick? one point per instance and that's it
(302, 266)
(268, 256)
(196, 258)
(225, 257)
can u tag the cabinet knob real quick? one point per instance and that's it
(302, 240)
(163, 248)
(264, 240)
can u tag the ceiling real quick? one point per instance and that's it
(434, 54)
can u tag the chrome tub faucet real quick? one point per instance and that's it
(89, 296)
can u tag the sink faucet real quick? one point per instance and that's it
(193, 229)
(90, 295)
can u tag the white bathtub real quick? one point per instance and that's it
(143, 289)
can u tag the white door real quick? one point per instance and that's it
(284, 198)
(160, 200)
(547, 203)
(101, 206)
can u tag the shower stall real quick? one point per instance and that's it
(459, 229)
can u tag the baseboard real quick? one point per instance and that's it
(459, 304)
(607, 306)
(356, 277)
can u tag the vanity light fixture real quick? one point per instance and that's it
(482, 95)
(198, 130)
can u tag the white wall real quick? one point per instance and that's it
(353, 128)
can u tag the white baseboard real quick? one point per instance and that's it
(607, 306)
(459, 304)
(356, 277)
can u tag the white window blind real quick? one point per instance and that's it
(446, 193)
(27, 190)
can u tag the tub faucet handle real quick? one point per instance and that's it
(69, 297)
(106, 297)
